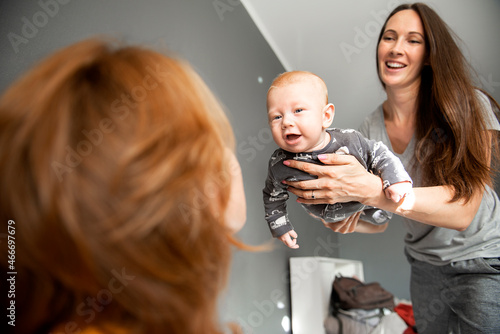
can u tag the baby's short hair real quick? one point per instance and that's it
(291, 77)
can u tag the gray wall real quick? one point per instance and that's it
(228, 51)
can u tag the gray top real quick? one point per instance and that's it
(437, 245)
(373, 155)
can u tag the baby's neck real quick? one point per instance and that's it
(325, 140)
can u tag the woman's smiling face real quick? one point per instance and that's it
(401, 50)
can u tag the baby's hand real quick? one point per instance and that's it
(397, 191)
(290, 239)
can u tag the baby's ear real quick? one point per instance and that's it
(328, 114)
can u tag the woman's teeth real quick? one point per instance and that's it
(395, 65)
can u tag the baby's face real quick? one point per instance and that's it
(296, 117)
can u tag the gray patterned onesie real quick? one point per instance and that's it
(373, 155)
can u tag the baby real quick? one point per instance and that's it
(300, 116)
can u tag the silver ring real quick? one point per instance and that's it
(312, 194)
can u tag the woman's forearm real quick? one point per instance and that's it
(432, 206)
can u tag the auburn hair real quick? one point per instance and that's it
(451, 129)
(115, 170)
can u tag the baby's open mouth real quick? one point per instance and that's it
(292, 137)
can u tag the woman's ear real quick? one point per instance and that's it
(328, 114)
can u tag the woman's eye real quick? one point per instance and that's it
(414, 41)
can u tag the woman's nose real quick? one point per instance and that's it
(397, 48)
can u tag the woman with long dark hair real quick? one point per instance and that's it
(444, 130)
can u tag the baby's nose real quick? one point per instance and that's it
(287, 121)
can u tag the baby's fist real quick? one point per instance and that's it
(290, 239)
(397, 191)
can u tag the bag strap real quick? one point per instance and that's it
(339, 321)
(334, 308)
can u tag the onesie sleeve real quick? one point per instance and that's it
(275, 196)
(382, 162)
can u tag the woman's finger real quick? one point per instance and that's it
(336, 159)
(331, 159)
(343, 180)
(307, 185)
(306, 194)
(353, 222)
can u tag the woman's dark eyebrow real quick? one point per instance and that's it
(416, 33)
(410, 33)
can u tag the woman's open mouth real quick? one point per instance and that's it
(394, 65)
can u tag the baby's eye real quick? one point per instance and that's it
(298, 110)
(276, 117)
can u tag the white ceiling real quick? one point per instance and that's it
(305, 32)
(337, 40)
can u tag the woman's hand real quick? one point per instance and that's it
(343, 180)
(347, 225)
(355, 224)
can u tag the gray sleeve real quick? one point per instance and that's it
(275, 196)
(487, 109)
(382, 162)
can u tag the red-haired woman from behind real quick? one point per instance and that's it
(119, 182)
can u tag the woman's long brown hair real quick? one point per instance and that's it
(114, 169)
(451, 129)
